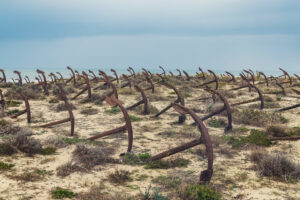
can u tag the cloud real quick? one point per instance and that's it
(50, 19)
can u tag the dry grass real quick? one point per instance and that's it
(69, 168)
(26, 144)
(276, 165)
(89, 157)
(119, 177)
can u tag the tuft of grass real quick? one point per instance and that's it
(131, 159)
(144, 156)
(215, 123)
(133, 118)
(113, 110)
(12, 103)
(256, 137)
(60, 193)
(43, 172)
(53, 100)
(10, 112)
(120, 177)
(257, 117)
(71, 141)
(68, 168)
(3, 123)
(89, 157)
(199, 192)
(89, 111)
(276, 165)
(5, 166)
(6, 149)
(27, 177)
(166, 164)
(26, 143)
(167, 182)
(48, 151)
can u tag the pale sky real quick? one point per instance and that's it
(216, 34)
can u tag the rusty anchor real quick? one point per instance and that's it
(143, 101)
(110, 84)
(179, 99)
(202, 73)
(61, 76)
(216, 81)
(148, 79)
(188, 78)
(3, 79)
(290, 81)
(164, 72)
(70, 119)
(131, 71)
(179, 72)
(20, 82)
(233, 79)
(116, 75)
(115, 102)
(43, 82)
(73, 76)
(27, 110)
(205, 175)
(86, 88)
(127, 81)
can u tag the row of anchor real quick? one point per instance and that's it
(207, 81)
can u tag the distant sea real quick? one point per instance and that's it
(31, 72)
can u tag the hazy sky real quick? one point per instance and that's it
(217, 34)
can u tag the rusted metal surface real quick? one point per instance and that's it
(260, 96)
(110, 84)
(205, 175)
(179, 72)
(61, 76)
(20, 82)
(287, 74)
(298, 77)
(216, 80)
(44, 82)
(27, 110)
(203, 74)
(225, 107)
(86, 88)
(70, 119)
(94, 77)
(188, 78)
(161, 77)
(128, 81)
(116, 75)
(143, 101)
(289, 108)
(164, 72)
(115, 102)
(2, 100)
(233, 79)
(3, 79)
(148, 79)
(179, 99)
(265, 77)
(73, 77)
(171, 73)
(252, 76)
(54, 78)
(27, 80)
(131, 71)
(281, 87)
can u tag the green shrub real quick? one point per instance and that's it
(144, 156)
(60, 193)
(113, 110)
(12, 103)
(48, 151)
(5, 166)
(10, 112)
(200, 192)
(133, 118)
(71, 141)
(256, 137)
(162, 164)
(131, 159)
(120, 177)
(214, 123)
